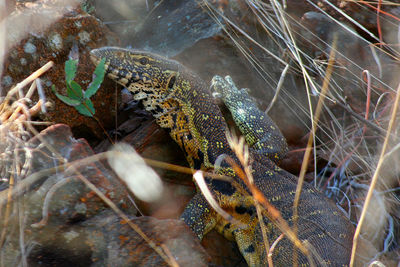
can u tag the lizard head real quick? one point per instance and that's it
(146, 75)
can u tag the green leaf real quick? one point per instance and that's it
(86, 108)
(67, 100)
(74, 90)
(97, 79)
(71, 66)
(87, 7)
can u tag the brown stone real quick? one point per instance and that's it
(54, 31)
(106, 240)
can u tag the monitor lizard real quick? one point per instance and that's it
(182, 104)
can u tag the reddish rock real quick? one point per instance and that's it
(60, 195)
(132, 250)
(73, 200)
(106, 240)
(54, 31)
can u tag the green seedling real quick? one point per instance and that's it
(76, 96)
(88, 7)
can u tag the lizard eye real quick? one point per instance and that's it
(144, 60)
(171, 81)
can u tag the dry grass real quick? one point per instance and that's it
(16, 110)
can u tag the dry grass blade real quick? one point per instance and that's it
(242, 152)
(375, 177)
(33, 178)
(278, 89)
(169, 255)
(272, 248)
(24, 83)
(199, 178)
(47, 199)
(294, 49)
(181, 169)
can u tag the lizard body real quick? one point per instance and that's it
(182, 103)
(259, 129)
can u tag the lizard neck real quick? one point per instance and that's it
(179, 100)
(194, 121)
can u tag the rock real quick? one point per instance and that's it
(106, 240)
(129, 248)
(145, 27)
(42, 31)
(61, 195)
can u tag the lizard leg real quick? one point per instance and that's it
(260, 132)
(245, 228)
(200, 217)
(247, 246)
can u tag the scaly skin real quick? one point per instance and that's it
(259, 130)
(182, 104)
